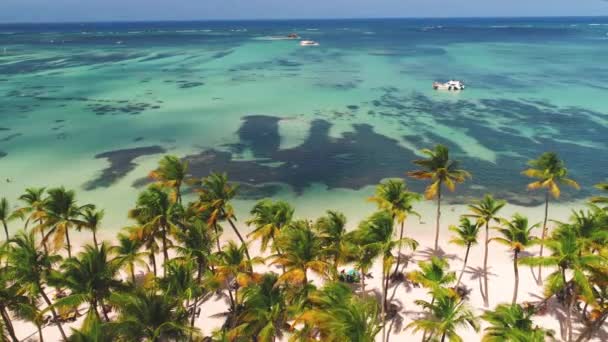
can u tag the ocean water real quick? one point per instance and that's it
(93, 106)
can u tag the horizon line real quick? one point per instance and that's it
(104, 21)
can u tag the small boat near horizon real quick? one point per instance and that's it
(449, 85)
(308, 43)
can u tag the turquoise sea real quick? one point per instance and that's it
(93, 106)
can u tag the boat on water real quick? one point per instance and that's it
(293, 36)
(449, 85)
(308, 43)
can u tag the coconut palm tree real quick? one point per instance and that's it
(336, 247)
(512, 323)
(154, 211)
(29, 268)
(145, 235)
(4, 215)
(91, 219)
(180, 281)
(215, 197)
(301, 252)
(466, 236)
(91, 277)
(394, 197)
(445, 314)
(92, 330)
(485, 212)
(171, 173)
(146, 314)
(128, 254)
(9, 299)
(550, 172)
(433, 274)
(338, 315)
(62, 214)
(35, 210)
(601, 199)
(268, 219)
(264, 311)
(517, 235)
(440, 170)
(568, 256)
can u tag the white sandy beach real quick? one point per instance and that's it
(500, 260)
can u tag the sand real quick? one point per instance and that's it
(501, 275)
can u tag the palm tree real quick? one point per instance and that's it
(9, 298)
(516, 234)
(268, 219)
(154, 211)
(338, 315)
(466, 235)
(445, 315)
(331, 230)
(128, 254)
(92, 330)
(91, 278)
(440, 170)
(145, 235)
(394, 197)
(264, 311)
(512, 323)
(62, 213)
(568, 256)
(92, 220)
(485, 211)
(601, 199)
(35, 206)
(301, 252)
(171, 173)
(145, 314)
(28, 268)
(180, 280)
(433, 274)
(550, 173)
(215, 197)
(4, 215)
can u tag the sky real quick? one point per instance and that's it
(120, 10)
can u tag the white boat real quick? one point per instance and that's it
(449, 85)
(308, 43)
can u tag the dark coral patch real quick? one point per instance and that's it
(121, 163)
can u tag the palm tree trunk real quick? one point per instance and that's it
(486, 297)
(464, 265)
(5, 230)
(383, 309)
(199, 276)
(165, 253)
(95, 239)
(8, 324)
(542, 238)
(217, 237)
(53, 312)
(67, 239)
(153, 261)
(569, 319)
(43, 242)
(443, 337)
(40, 336)
(236, 231)
(362, 281)
(438, 217)
(103, 310)
(516, 270)
(132, 267)
(399, 250)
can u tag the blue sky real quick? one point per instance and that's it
(109, 10)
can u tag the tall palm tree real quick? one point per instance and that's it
(215, 197)
(466, 236)
(91, 277)
(180, 281)
(29, 268)
(231, 264)
(550, 172)
(440, 170)
(4, 215)
(485, 212)
(338, 315)
(301, 252)
(601, 199)
(171, 173)
(62, 214)
(512, 323)
(145, 235)
(264, 312)
(516, 234)
(568, 256)
(128, 254)
(146, 314)
(9, 299)
(35, 204)
(154, 211)
(445, 315)
(268, 219)
(394, 197)
(331, 230)
(91, 219)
